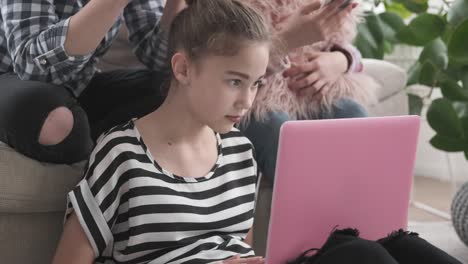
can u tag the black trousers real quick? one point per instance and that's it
(110, 99)
(401, 247)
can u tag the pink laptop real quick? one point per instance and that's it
(343, 172)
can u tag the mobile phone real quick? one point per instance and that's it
(340, 7)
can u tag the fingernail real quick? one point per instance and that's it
(354, 5)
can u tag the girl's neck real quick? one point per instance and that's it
(175, 122)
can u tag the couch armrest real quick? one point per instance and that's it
(392, 78)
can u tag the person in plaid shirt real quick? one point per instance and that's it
(51, 92)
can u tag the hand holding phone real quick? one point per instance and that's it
(318, 19)
(341, 6)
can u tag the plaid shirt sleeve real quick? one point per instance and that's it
(36, 37)
(149, 42)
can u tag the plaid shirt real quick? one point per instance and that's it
(33, 33)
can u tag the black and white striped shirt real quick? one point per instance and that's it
(134, 211)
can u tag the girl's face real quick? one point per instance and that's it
(222, 88)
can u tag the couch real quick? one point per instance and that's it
(33, 194)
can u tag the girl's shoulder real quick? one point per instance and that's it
(235, 138)
(120, 134)
(125, 127)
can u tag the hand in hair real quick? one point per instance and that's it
(315, 76)
(312, 23)
(171, 9)
(238, 260)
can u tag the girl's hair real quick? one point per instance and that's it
(216, 27)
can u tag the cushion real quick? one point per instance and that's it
(27, 185)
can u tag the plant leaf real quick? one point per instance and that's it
(370, 40)
(452, 91)
(391, 23)
(464, 77)
(422, 29)
(388, 47)
(461, 108)
(464, 121)
(458, 44)
(398, 9)
(435, 52)
(415, 6)
(428, 74)
(458, 12)
(442, 117)
(449, 144)
(452, 72)
(415, 104)
(447, 33)
(413, 73)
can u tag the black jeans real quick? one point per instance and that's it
(110, 99)
(400, 247)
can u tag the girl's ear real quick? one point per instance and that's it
(180, 66)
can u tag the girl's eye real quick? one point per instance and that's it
(235, 82)
(259, 84)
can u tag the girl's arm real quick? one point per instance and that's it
(148, 23)
(249, 238)
(89, 26)
(74, 246)
(42, 44)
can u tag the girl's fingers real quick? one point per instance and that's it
(238, 260)
(320, 92)
(299, 69)
(309, 8)
(231, 259)
(304, 82)
(250, 260)
(332, 10)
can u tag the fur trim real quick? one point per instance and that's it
(395, 235)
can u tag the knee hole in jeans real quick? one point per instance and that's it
(56, 127)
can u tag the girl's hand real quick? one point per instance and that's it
(318, 21)
(171, 9)
(238, 260)
(314, 77)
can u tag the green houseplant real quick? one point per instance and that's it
(442, 33)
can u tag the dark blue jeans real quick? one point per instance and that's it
(265, 135)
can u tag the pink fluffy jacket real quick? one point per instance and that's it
(276, 96)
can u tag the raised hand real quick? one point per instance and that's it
(313, 22)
